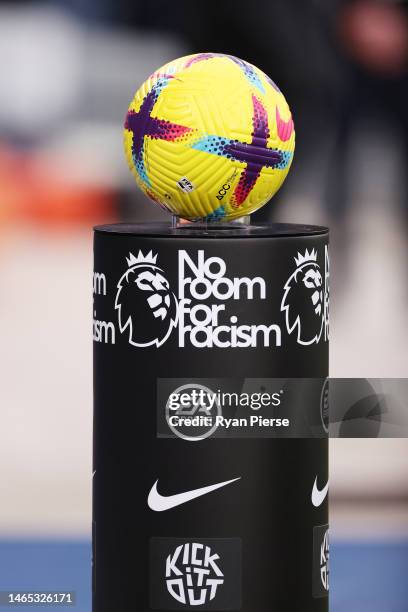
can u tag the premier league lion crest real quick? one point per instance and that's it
(146, 306)
(306, 298)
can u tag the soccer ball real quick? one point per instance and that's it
(209, 137)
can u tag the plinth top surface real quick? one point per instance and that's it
(257, 230)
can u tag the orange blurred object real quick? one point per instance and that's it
(34, 188)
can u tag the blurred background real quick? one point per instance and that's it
(69, 69)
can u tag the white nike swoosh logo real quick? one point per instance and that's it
(158, 502)
(318, 496)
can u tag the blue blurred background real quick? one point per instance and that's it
(69, 69)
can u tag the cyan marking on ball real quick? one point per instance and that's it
(216, 214)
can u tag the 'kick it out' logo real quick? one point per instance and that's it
(193, 574)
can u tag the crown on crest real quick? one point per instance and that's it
(301, 259)
(149, 258)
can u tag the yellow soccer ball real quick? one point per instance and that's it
(209, 137)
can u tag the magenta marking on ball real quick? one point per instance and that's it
(285, 128)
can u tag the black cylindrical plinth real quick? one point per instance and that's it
(232, 304)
